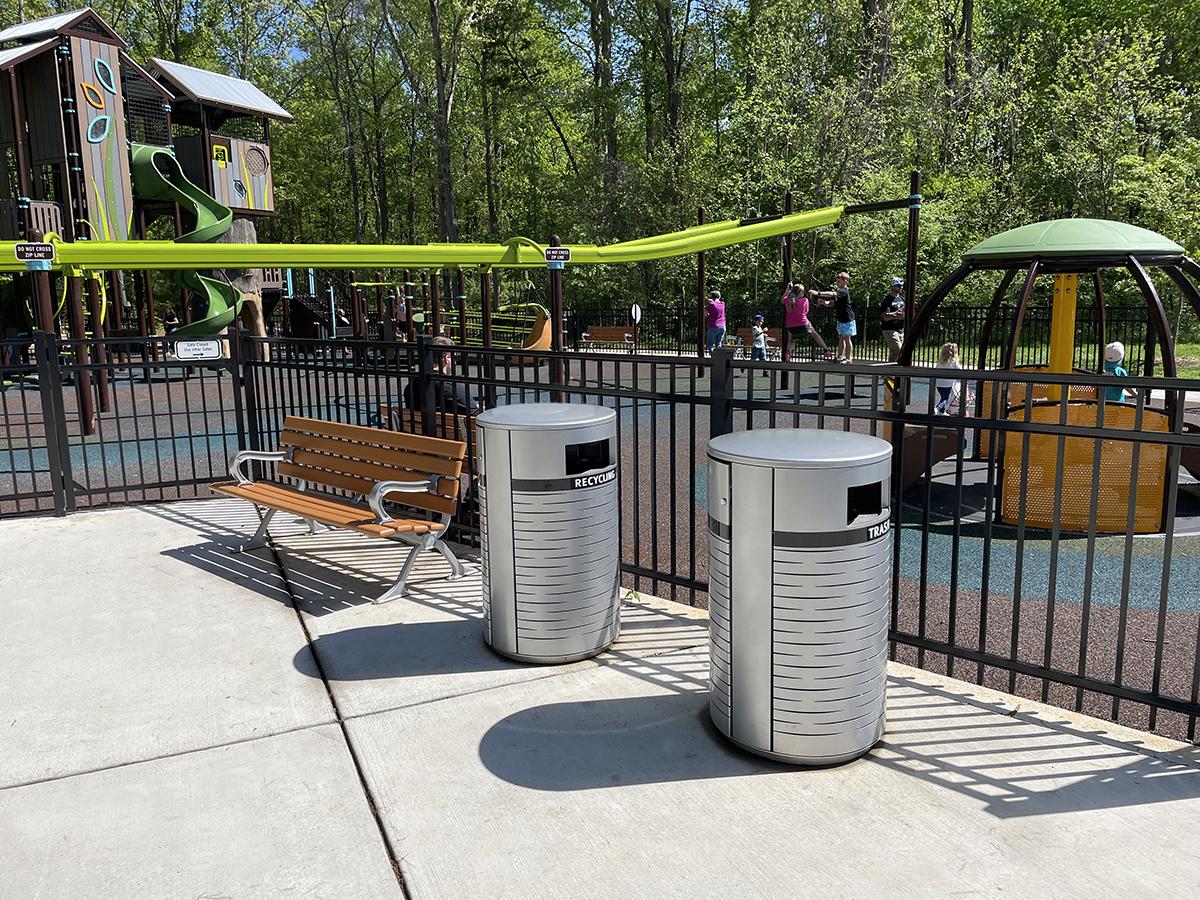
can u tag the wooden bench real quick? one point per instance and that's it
(610, 334)
(368, 462)
(744, 341)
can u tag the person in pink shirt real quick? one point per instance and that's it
(716, 322)
(795, 317)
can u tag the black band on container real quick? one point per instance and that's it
(571, 483)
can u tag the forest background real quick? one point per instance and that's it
(607, 120)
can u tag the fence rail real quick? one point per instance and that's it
(994, 578)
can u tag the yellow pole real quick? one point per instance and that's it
(1062, 329)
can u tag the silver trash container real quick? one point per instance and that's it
(799, 579)
(550, 530)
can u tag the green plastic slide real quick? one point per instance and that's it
(157, 176)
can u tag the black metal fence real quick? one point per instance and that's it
(1048, 549)
(675, 330)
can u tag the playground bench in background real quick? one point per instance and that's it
(744, 341)
(610, 334)
(370, 462)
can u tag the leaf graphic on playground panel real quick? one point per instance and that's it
(92, 95)
(99, 129)
(104, 75)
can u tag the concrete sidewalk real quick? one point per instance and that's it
(177, 721)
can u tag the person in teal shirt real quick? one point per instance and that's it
(1114, 355)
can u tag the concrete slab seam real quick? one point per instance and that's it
(372, 806)
(150, 759)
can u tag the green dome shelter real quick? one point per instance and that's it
(1061, 248)
(1068, 250)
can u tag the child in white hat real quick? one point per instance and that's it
(1114, 355)
(758, 348)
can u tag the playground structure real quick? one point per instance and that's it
(199, 153)
(1067, 249)
(103, 146)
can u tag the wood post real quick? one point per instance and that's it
(100, 356)
(83, 378)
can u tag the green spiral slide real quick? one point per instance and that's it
(157, 176)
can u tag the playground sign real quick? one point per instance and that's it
(34, 252)
(198, 348)
(556, 256)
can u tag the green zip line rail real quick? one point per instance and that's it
(519, 253)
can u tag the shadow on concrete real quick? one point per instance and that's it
(333, 571)
(589, 744)
(1019, 764)
(457, 645)
(403, 649)
(1013, 766)
(255, 571)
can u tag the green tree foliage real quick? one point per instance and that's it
(602, 120)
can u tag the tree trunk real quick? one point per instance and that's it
(488, 162)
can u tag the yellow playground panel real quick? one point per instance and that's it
(1114, 477)
(1014, 395)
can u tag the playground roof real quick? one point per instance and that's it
(213, 89)
(1074, 238)
(97, 28)
(16, 55)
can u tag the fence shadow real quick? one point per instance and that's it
(255, 571)
(453, 642)
(1013, 766)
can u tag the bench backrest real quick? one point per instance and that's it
(614, 334)
(745, 336)
(354, 458)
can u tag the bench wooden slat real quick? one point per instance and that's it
(432, 502)
(386, 459)
(361, 433)
(447, 485)
(328, 511)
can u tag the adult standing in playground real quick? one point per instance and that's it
(845, 315)
(893, 319)
(795, 317)
(716, 322)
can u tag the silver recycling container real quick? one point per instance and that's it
(550, 530)
(799, 579)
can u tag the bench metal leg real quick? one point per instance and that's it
(260, 536)
(397, 589)
(315, 527)
(458, 570)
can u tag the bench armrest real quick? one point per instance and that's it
(247, 455)
(383, 488)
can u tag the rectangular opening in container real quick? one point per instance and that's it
(586, 457)
(864, 500)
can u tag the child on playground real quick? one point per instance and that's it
(716, 322)
(846, 327)
(948, 359)
(1114, 355)
(795, 316)
(758, 347)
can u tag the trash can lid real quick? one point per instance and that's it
(800, 448)
(546, 415)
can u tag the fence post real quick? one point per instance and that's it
(247, 358)
(54, 420)
(720, 412)
(235, 376)
(427, 363)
